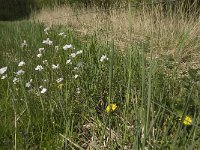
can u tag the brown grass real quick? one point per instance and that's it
(175, 35)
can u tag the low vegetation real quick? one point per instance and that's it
(100, 80)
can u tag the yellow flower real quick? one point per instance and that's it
(60, 86)
(187, 120)
(111, 108)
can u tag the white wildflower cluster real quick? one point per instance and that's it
(39, 68)
(47, 42)
(2, 72)
(24, 44)
(55, 66)
(62, 34)
(103, 58)
(28, 84)
(66, 47)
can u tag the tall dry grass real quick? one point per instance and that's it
(165, 32)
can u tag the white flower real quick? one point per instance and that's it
(45, 62)
(79, 52)
(75, 68)
(43, 90)
(69, 61)
(67, 46)
(76, 76)
(78, 90)
(56, 47)
(39, 68)
(20, 72)
(73, 55)
(22, 63)
(3, 77)
(46, 30)
(28, 84)
(48, 42)
(41, 49)
(24, 44)
(39, 55)
(55, 66)
(3, 70)
(62, 33)
(59, 80)
(15, 80)
(103, 57)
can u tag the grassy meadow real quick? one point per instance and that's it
(130, 83)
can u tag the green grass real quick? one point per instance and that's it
(150, 95)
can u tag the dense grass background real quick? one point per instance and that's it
(150, 93)
(20, 9)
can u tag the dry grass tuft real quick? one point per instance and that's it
(174, 35)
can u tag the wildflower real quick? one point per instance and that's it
(55, 66)
(28, 84)
(24, 44)
(67, 46)
(111, 108)
(3, 70)
(44, 90)
(39, 55)
(69, 61)
(75, 68)
(40, 50)
(20, 72)
(79, 52)
(47, 42)
(62, 33)
(60, 86)
(103, 57)
(78, 90)
(73, 55)
(46, 30)
(39, 68)
(22, 63)
(15, 80)
(187, 120)
(56, 48)
(3, 77)
(59, 80)
(76, 76)
(45, 62)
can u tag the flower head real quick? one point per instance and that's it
(39, 55)
(67, 46)
(4, 76)
(39, 68)
(24, 44)
(55, 66)
(187, 120)
(28, 84)
(20, 72)
(22, 63)
(40, 50)
(44, 90)
(3, 70)
(47, 42)
(69, 61)
(59, 80)
(103, 57)
(111, 108)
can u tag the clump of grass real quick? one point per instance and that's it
(58, 88)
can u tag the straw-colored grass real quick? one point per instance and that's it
(174, 35)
